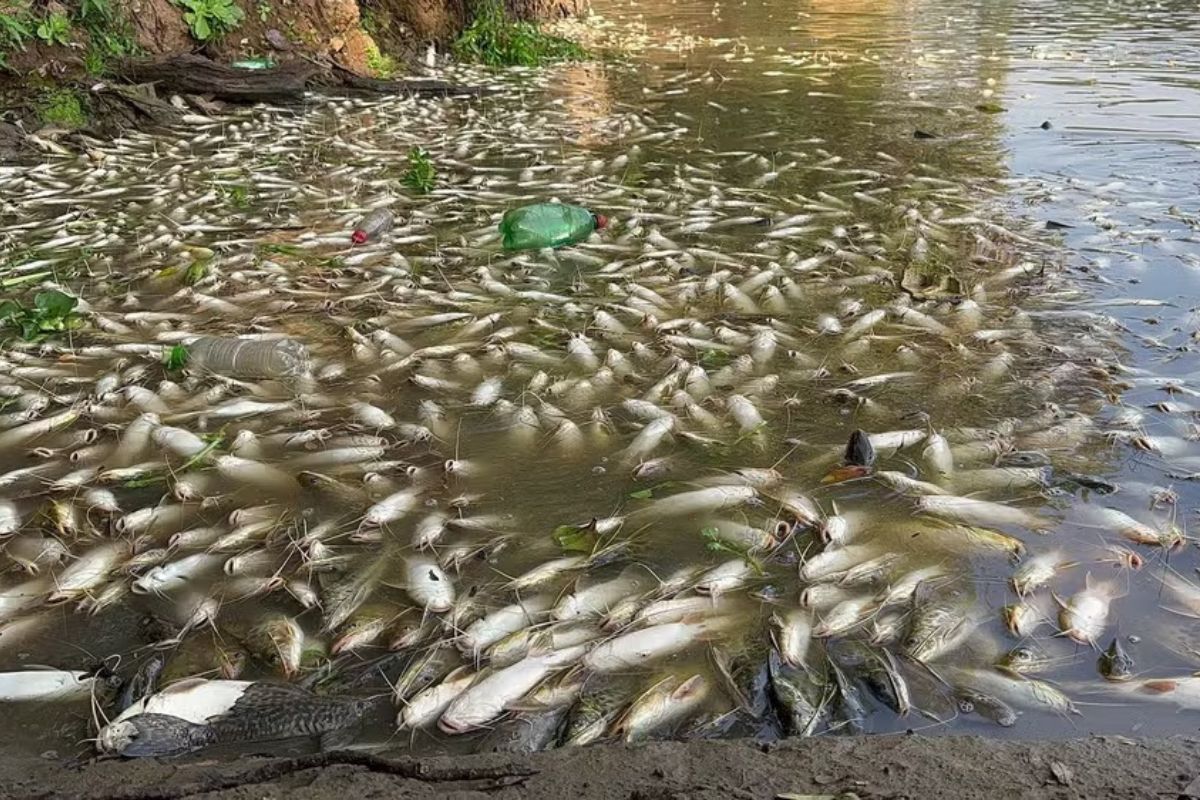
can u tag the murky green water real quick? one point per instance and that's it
(830, 217)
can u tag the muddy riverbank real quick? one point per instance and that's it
(884, 766)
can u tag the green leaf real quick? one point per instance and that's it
(195, 273)
(30, 330)
(210, 445)
(176, 358)
(9, 309)
(642, 494)
(54, 303)
(144, 481)
(200, 27)
(573, 537)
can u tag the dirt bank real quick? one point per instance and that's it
(58, 38)
(868, 767)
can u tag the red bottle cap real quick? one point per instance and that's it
(601, 221)
(358, 237)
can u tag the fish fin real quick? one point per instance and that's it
(456, 673)
(1061, 603)
(1181, 612)
(337, 739)
(736, 694)
(687, 687)
(261, 696)
(184, 685)
(1087, 582)
(1160, 686)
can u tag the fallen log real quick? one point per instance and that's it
(196, 75)
(193, 74)
(114, 107)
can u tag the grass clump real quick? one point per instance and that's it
(15, 30)
(421, 176)
(106, 45)
(380, 65)
(109, 35)
(208, 19)
(62, 107)
(494, 39)
(55, 29)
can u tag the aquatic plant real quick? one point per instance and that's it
(210, 18)
(237, 195)
(52, 312)
(421, 174)
(61, 107)
(494, 39)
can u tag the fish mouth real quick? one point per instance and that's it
(448, 726)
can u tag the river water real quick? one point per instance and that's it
(970, 231)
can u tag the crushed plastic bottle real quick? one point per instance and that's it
(373, 225)
(248, 358)
(548, 225)
(254, 63)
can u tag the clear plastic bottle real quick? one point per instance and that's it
(373, 225)
(248, 358)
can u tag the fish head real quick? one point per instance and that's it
(116, 737)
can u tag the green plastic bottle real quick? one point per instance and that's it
(548, 225)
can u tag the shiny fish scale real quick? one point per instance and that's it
(738, 317)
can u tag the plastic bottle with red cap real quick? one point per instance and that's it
(372, 226)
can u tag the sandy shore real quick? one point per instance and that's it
(869, 767)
